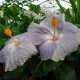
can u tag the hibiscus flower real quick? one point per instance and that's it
(54, 37)
(16, 51)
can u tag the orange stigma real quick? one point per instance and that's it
(8, 32)
(55, 25)
(54, 22)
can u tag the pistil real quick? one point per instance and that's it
(8, 32)
(55, 25)
(54, 34)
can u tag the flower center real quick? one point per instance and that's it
(8, 32)
(55, 25)
(54, 39)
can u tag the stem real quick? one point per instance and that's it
(36, 69)
(37, 66)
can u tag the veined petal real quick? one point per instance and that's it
(14, 56)
(68, 27)
(70, 43)
(5, 52)
(19, 56)
(47, 49)
(59, 54)
(65, 46)
(33, 27)
(38, 34)
(47, 23)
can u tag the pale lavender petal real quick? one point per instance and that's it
(68, 27)
(47, 23)
(65, 46)
(47, 49)
(14, 56)
(18, 56)
(5, 52)
(70, 43)
(33, 27)
(38, 34)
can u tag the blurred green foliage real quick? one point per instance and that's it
(72, 13)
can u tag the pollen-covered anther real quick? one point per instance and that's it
(7, 32)
(54, 22)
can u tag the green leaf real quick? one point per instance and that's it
(15, 30)
(7, 0)
(78, 12)
(78, 5)
(73, 4)
(70, 17)
(65, 72)
(32, 7)
(12, 10)
(35, 8)
(41, 68)
(2, 42)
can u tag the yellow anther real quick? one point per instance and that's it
(7, 32)
(54, 22)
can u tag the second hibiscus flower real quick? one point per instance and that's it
(54, 37)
